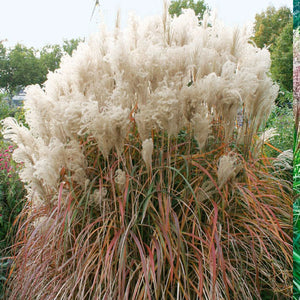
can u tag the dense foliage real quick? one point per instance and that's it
(282, 58)
(269, 24)
(177, 6)
(21, 66)
(282, 120)
(12, 196)
(274, 29)
(296, 13)
(145, 173)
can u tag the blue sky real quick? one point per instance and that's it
(40, 22)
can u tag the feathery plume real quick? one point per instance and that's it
(147, 152)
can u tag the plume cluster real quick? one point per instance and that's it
(172, 73)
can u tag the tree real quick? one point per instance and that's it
(282, 58)
(22, 66)
(70, 45)
(274, 28)
(5, 72)
(50, 57)
(269, 24)
(19, 67)
(199, 7)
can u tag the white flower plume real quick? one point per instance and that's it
(173, 72)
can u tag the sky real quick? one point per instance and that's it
(35, 23)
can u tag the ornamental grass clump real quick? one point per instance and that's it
(126, 196)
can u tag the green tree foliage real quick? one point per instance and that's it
(282, 58)
(274, 28)
(50, 57)
(269, 25)
(296, 13)
(22, 66)
(70, 45)
(5, 71)
(199, 7)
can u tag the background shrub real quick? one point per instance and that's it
(282, 120)
(12, 193)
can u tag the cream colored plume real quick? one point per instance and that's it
(173, 73)
(120, 179)
(147, 152)
(227, 169)
(266, 136)
(284, 160)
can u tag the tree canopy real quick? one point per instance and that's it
(21, 66)
(273, 28)
(269, 25)
(199, 7)
(282, 57)
(70, 45)
(50, 56)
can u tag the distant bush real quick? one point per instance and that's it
(282, 120)
(11, 193)
(5, 109)
(10, 111)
